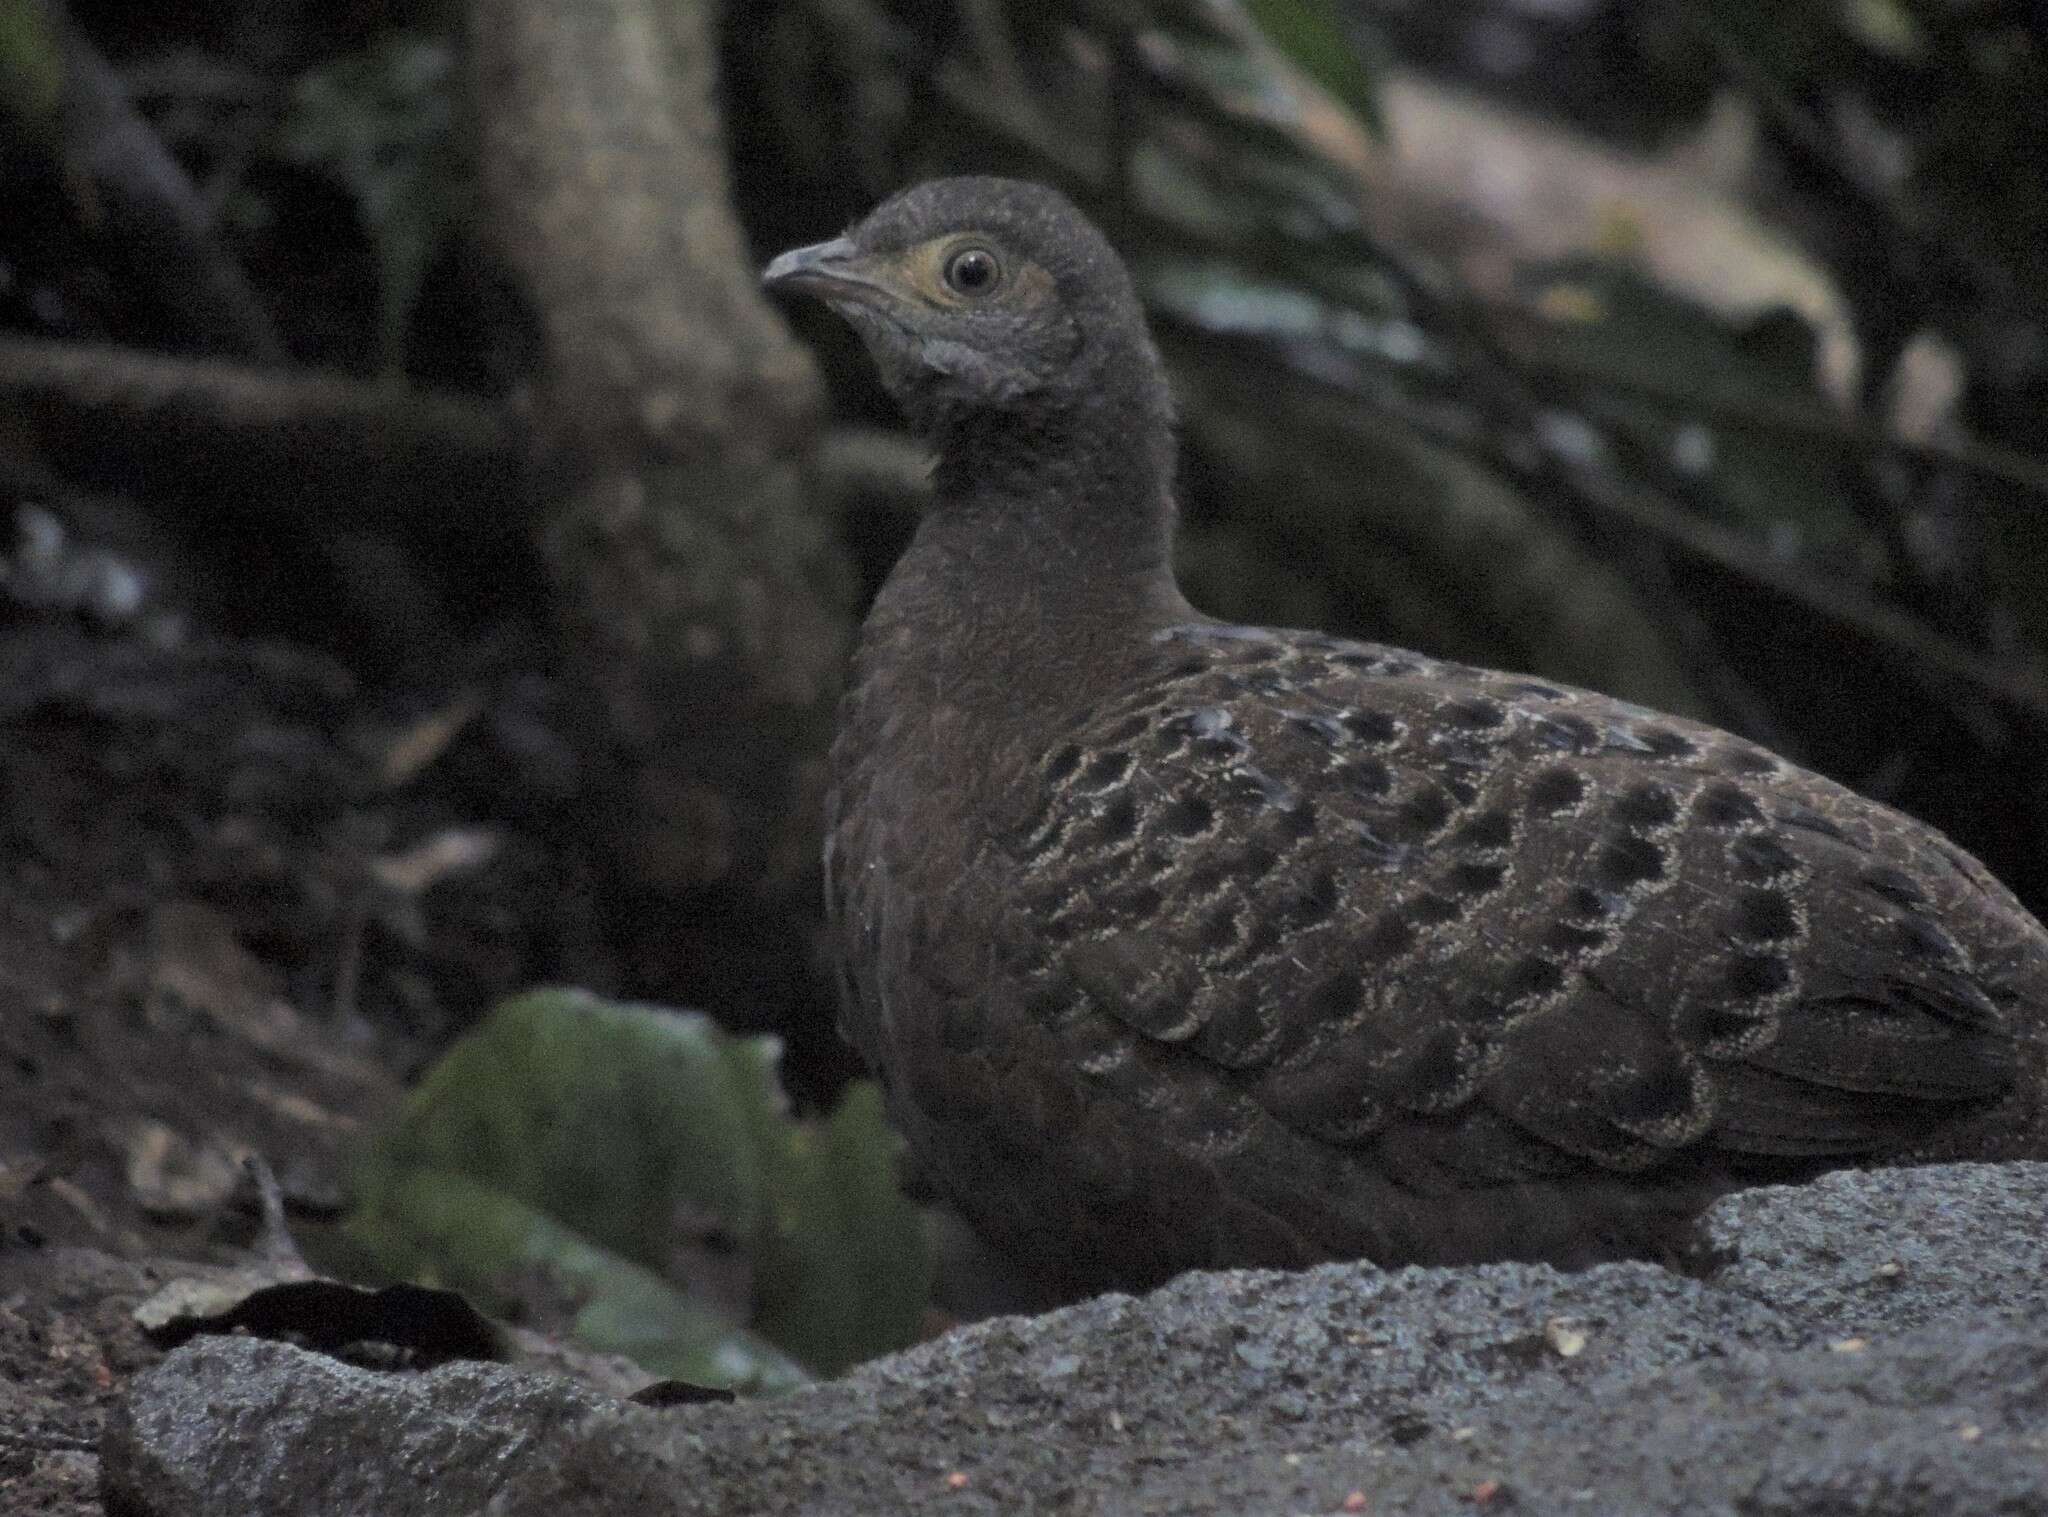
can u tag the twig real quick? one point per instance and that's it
(1782, 415)
(65, 1443)
(275, 1243)
(2024, 687)
(152, 214)
(1650, 512)
(455, 451)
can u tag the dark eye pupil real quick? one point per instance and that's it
(971, 272)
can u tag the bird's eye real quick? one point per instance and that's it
(973, 272)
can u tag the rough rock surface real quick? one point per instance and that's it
(1874, 1343)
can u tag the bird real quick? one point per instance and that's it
(1181, 944)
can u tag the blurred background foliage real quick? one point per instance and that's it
(642, 1164)
(1693, 351)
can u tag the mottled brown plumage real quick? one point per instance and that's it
(1179, 943)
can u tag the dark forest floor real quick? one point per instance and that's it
(235, 911)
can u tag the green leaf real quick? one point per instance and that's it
(381, 123)
(31, 63)
(1697, 389)
(446, 1229)
(638, 1167)
(832, 1271)
(1314, 36)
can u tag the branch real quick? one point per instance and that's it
(2023, 686)
(1539, 358)
(382, 447)
(136, 194)
(698, 587)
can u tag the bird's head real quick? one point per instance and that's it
(979, 295)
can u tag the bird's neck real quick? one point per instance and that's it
(1046, 553)
(1070, 507)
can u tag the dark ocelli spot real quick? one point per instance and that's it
(1627, 861)
(1751, 975)
(1188, 668)
(1364, 663)
(1045, 901)
(1106, 770)
(1584, 901)
(1432, 910)
(1489, 829)
(1265, 935)
(1255, 787)
(1565, 937)
(1338, 996)
(1383, 854)
(1765, 916)
(1436, 1074)
(1140, 902)
(1792, 814)
(1664, 1097)
(1473, 711)
(1364, 775)
(1060, 766)
(1129, 729)
(1921, 939)
(1240, 1031)
(1391, 936)
(1477, 878)
(1745, 760)
(1647, 806)
(1217, 927)
(1533, 975)
(1370, 726)
(1044, 833)
(1117, 820)
(1666, 743)
(1257, 861)
(1426, 810)
(1894, 885)
(1555, 790)
(1295, 822)
(1228, 745)
(1313, 903)
(1459, 751)
(1188, 817)
(1566, 730)
(1049, 1000)
(1724, 805)
(1723, 1030)
(1758, 857)
(1325, 728)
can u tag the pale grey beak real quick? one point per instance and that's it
(824, 269)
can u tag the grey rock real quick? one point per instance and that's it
(1888, 1250)
(1872, 1344)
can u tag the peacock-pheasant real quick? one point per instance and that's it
(1180, 944)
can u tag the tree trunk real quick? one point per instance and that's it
(700, 592)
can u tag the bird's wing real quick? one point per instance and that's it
(1360, 889)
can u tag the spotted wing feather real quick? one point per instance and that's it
(1380, 894)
